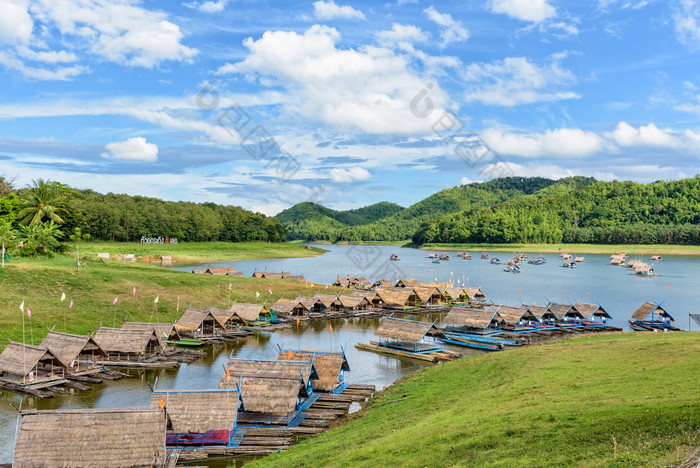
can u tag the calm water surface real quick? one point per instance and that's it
(593, 281)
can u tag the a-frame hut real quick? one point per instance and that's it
(341, 283)
(354, 303)
(430, 296)
(382, 284)
(407, 335)
(407, 283)
(330, 366)
(593, 313)
(250, 313)
(456, 296)
(517, 318)
(165, 331)
(80, 352)
(652, 315)
(313, 304)
(198, 417)
(124, 437)
(370, 295)
(227, 317)
(475, 294)
(544, 316)
(330, 302)
(289, 307)
(566, 314)
(397, 298)
(123, 344)
(266, 400)
(481, 321)
(302, 370)
(199, 325)
(24, 364)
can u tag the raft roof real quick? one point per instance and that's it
(285, 306)
(369, 294)
(407, 283)
(248, 312)
(20, 359)
(309, 302)
(327, 299)
(473, 292)
(513, 315)
(192, 319)
(124, 437)
(647, 308)
(562, 310)
(67, 347)
(328, 365)
(473, 318)
(350, 301)
(198, 411)
(540, 313)
(160, 329)
(124, 340)
(405, 330)
(455, 292)
(303, 370)
(395, 296)
(383, 284)
(271, 395)
(589, 310)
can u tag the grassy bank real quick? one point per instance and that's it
(403, 242)
(660, 249)
(608, 400)
(40, 283)
(202, 251)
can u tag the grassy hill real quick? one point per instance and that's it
(625, 399)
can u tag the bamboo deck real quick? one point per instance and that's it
(433, 357)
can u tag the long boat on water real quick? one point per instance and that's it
(476, 342)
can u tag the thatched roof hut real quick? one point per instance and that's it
(74, 350)
(475, 294)
(302, 370)
(429, 295)
(219, 271)
(589, 311)
(268, 395)
(397, 298)
(360, 282)
(474, 319)
(440, 285)
(349, 302)
(249, 312)
(164, 331)
(123, 437)
(542, 314)
(407, 283)
(330, 302)
(564, 312)
(515, 315)
(197, 323)
(329, 366)
(229, 318)
(198, 411)
(127, 341)
(295, 277)
(407, 331)
(313, 304)
(654, 309)
(21, 360)
(455, 295)
(341, 282)
(289, 307)
(383, 284)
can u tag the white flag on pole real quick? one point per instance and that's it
(63, 297)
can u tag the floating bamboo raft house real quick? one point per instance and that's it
(407, 283)
(478, 321)
(398, 298)
(594, 314)
(456, 296)
(518, 319)
(26, 368)
(545, 317)
(329, 366)
(289, 307)
(430, 297)
(650, 317)
(128, 345)
(124, 437)
(304, 371)
(330, 302)
(80, 352)
(164, 331)
(474, 294)
(200, 325)
(566, 315)
(266, 400)
(406, 338)
(314, 305)
(251, 313)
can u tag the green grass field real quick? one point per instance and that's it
(619, 400)
(40, 283)
(660, 249)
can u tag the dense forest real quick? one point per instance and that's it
(603, 212)
(45, 212)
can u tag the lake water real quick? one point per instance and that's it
(593, 281)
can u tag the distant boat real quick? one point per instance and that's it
(467, 256)
(569, 264)
(656, 258)
(394, 258)
(485, 256)
(444, 256)
(512, 268)
(436, 260)
(537, 260)
(186, 342)
(495, 261)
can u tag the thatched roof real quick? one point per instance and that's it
(167, 329)
(123, 437)
(512, 315)
(227, 317)
(395, 297)
(271, 274)
(405, 330)
(407, 283)
(383, 284)
(122, 340)
(192, 319)
(328, 300)
(270, 395)
(473, 318)
(248, 312)
(351, 302)
(302, 370)
(219, 271)
(647, 308)
(284, 306)
(540, 313)
(426, 292)
(295, 277)
(564, 310)
(342, 282)
(67, 347)
(328, 365)
(454, 293)
(199, 411)
(370, 295)
(362, 280)
(309, 302)
(474, 293)
(589, 310)
(20, 358)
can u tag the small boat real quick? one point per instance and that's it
(467, 256)
(569, 264)
(512, 268)
(186, 342)
(656, 258)
(394, 258)
(495, 261)
(470, 343)
(537, 261)
(579, 259)
(485, 256)
(640, 325)
(436, 260)
(432, 255)
(444, 256)
(645, 271)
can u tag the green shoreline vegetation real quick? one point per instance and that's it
(630, 249)
(624, 399)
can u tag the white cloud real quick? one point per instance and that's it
(516, 80)
(133, 149)
(10, 61)
(368, 89)
(453, 31)
(348, 175)
(329, 10)
(208, 6)
(534, 11)
(646, 135)
(686, 17)
(401, 33)
(15, 23)
(561, 143)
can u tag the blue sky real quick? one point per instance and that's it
(264, 104)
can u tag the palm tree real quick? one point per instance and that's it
(7, 235)
(42, 200)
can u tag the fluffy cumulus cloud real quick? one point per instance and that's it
(208, 6)
(406, 33)
(534, 11)
(370, 89)
(349, 175)
(559, 143)
(452, 31)
(686, 17)
(516, 80)
(330, 10)
(646, 135)
(133, 149)
(115, 30)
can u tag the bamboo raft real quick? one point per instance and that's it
(433, 357)
(71, 381)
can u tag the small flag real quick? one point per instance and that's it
(70, 306)
(228, 373)
(520, 290)
(257, 294)
(297, 320)
(669, 285)
(115, 300)
(29, 313)
(269, 290)
(178, 302)
(562, 297)
(63, 297)
(162, 403)
(230, 285)
(218, 286)
(156, 300)
(290, 354)
(326, 287)
(133, 291)
(21, 306)
(331, 327)
(587, 295)
(533, 303)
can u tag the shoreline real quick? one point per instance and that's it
(602, 249)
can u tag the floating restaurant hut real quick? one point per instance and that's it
(27, 365)
(266, 400)
(199, 418)
(565, 314)
(439, 285)
(651, 317)
(304, 371)
(330, 366)
(289, 307)
(79, 352)
(407, 283)
(220, 271)
(128, 345)
(354, 303)
(456, 296)
(475, 294)
(594, 314)
(407, 335)
(518, 319)
(165, 331)
(113, 437)
(383, 284)
(229, 318)
(313, 304)
(250, 313)
(270, 274)
(199, 325)
(330, 302)
(360, 282)
(342, 283)
(544, 316)
(478, 321)
(397, 298)
(430, 296)
(371, 296)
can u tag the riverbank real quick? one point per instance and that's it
(189, 252)
(562, 404)
(41, 282)
(631, 249)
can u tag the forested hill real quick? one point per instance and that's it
(603, 212)
(309, 221)
(308, 211)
